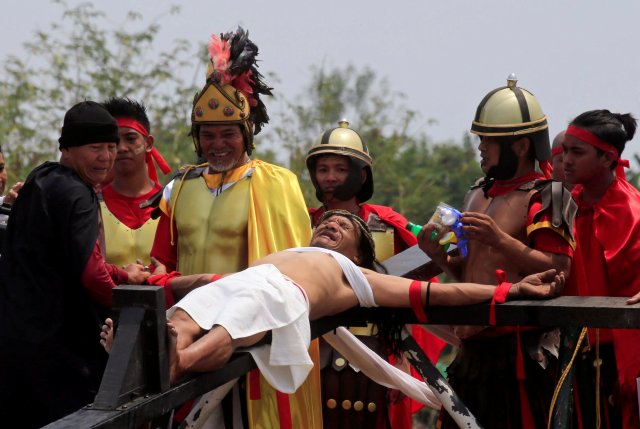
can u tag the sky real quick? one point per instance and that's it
(444, 55)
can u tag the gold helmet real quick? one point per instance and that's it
(513, 111)
(232, 91)
(346, 142)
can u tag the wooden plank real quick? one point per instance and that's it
(570, 311)
(413, 263)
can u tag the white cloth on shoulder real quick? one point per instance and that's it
(259, 299)
(352, 272)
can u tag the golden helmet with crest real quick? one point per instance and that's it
(231, 94)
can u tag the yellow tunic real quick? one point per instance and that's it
(260, 210)
(123, 244)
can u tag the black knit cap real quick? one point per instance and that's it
(88, 122)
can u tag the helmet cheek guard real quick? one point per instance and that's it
(344, 141)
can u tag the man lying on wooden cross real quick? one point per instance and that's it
(282, 292)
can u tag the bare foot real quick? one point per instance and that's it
(106, 336)
(174, 357)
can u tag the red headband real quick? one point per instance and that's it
(133, 124)
(595, 141)
(592, 139)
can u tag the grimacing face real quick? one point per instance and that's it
(340, 234)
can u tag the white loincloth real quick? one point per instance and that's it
(354, 275)
(259, 299)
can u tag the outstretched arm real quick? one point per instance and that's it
(391, 291)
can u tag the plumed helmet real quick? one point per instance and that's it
(344, 141)
(231, 94)
(513, 111)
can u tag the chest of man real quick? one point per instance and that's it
(509, 212)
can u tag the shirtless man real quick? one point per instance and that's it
(509, 228)
(204, 335)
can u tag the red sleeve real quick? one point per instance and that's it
(99, 277)
(543, 236)
(162, 249)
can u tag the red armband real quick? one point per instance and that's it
(162, 279)
(415, 299)
(216, 277)
(499, 295)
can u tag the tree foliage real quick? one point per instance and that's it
(81, 57)
(411, 173)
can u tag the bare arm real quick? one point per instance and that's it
(180, 286)
(391, 291)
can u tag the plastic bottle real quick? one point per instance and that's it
(415, 229)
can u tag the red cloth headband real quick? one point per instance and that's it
(595, 141)
(133, 124)
(557, 151)
(592, 139)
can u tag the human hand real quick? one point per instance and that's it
(137, 273)
(482, 228)
(540, 285)
(428, 242)
(158, 267)
(634, 299)
(11, 196)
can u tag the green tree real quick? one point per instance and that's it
(411, 173)
(82, 56)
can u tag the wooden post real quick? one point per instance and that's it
(139, 362)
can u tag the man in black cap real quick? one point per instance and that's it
(54, 283)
